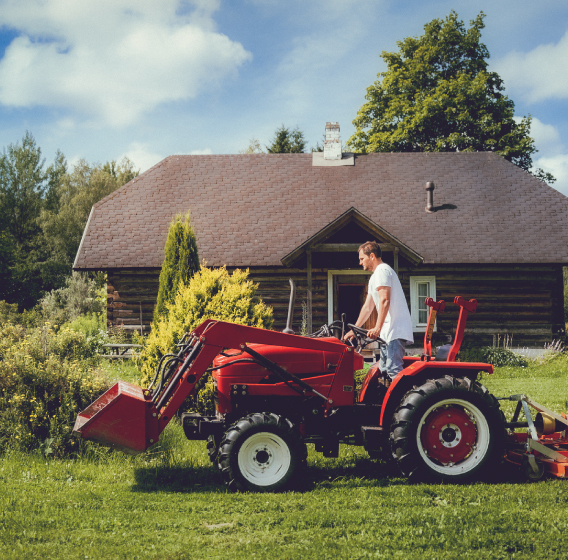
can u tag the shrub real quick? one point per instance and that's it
(9, 312)
(94, 328)
(46, 378)
(181, 262)
(81, 295)
(210, 294)
(498, 357)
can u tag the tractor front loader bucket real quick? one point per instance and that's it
(543, 448)
(124, 418)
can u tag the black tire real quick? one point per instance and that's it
(449, 430)
(212, 448)
(261, 452)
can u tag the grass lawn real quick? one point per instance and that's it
(170, 503)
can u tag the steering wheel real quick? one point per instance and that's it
(362, 336)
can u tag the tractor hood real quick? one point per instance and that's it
(297, 361)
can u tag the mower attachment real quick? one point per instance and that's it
(544, 447)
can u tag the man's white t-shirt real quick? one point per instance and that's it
(398, 323)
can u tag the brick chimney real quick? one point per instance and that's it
(332, 144)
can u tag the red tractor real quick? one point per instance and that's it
(276, 392)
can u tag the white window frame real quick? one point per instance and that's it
(414, 281)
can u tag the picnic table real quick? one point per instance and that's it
(119, 351)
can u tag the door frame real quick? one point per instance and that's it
(330, 275)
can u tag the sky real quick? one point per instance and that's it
(145, 79)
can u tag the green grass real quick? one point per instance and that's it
(122, 369)
(170, 504)
(547, 383)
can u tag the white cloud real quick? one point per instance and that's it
(142, 156)
(558, 166)
(546, 136)
(539, 74)
(114, 59)
(324, 58)
(553, 157)
(205, 152)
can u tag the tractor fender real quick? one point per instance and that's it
(419, 372)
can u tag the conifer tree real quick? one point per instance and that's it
(181, 262)
(287, 141)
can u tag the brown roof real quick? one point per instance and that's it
(253, 210)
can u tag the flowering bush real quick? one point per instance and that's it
(210, 294)
(46, 377)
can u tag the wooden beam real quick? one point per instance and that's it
(347, 247)
(396, 260)
(309, 271)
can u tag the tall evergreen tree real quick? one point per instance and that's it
(181, 262)
(287, 141)
(22, 186)
(437, 95)
(22, 189)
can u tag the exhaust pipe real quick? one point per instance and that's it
(288, 329)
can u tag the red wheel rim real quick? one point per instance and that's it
(448, 435)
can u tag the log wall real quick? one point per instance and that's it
(127, 292)
(526, 302)
(523, 301)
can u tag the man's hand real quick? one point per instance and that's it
(375, 332)
(349, 336)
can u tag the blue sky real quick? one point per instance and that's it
(103, 79)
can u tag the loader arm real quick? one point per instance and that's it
(130, 418)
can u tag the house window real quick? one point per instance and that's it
(421, 287)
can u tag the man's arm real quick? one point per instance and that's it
(366, 311)
(384, 306)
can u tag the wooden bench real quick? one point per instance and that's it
(119, 351)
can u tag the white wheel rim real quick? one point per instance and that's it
(481, 444)
(264, 459)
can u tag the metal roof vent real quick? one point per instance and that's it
(430, 197)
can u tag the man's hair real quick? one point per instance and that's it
(371, 247)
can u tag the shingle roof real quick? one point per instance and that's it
(252, 210)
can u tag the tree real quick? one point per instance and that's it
(22, 186)
(181, 262)
(254, 147)
(54, 175)
(438, 96)
(22, 189)
(73, 196)
(287, 141)
(43, 214)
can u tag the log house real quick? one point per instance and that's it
(469, 224)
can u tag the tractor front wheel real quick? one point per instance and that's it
(448, 429)
(261, 452)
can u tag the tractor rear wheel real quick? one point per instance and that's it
(261, 453)
(448, 429)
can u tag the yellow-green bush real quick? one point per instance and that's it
(210, 294)
(46, 378)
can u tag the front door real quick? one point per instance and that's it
(349, 294)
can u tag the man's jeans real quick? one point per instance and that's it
(391, 357)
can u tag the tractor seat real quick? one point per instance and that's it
(442, 353)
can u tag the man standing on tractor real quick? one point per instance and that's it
(394, 324)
